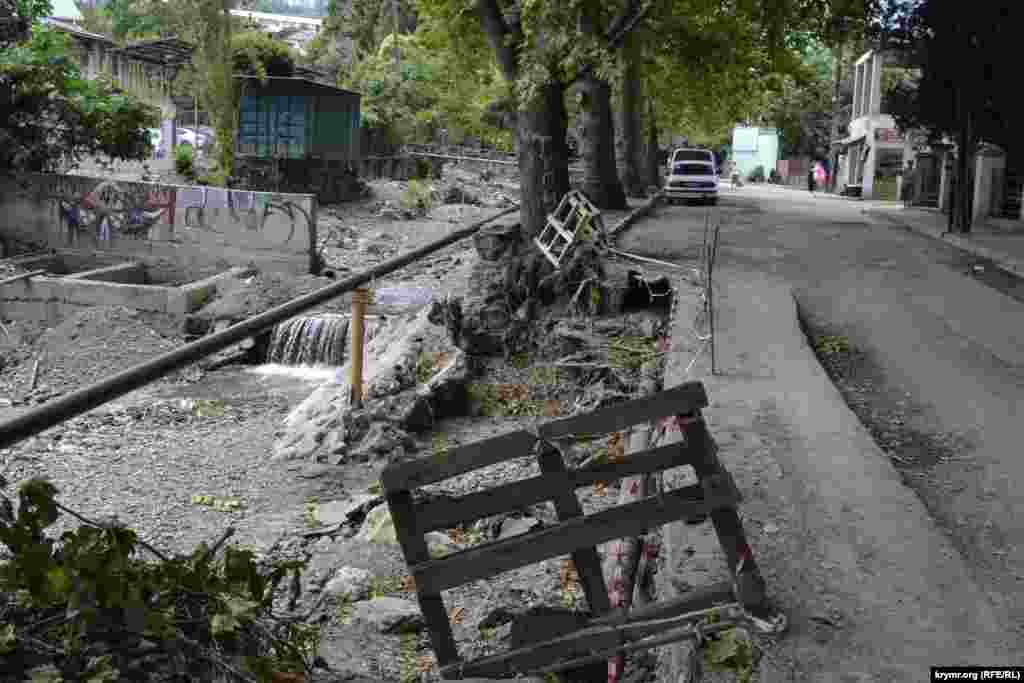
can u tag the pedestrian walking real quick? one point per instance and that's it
(810, 180)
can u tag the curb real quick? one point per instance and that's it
(1008, 263)
(634, 216)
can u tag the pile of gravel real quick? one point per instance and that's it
(89, 346)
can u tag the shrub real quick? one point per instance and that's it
(757, 175)
(417, 197)
(184, 161)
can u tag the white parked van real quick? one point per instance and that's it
(692, 154)
(692, 180)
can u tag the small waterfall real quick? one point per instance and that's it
(310, 341)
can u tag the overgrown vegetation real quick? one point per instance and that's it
(417, 197)
(51, 117)
(85, 607)
(184, 162)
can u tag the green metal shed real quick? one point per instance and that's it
(297, 118)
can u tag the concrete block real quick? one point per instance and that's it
(91, 293)
(195, 295)
(125, 273)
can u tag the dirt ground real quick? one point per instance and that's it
(155, 458)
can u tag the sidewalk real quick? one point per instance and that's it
(873, 590)
(1003, 247)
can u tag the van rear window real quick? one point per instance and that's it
(692, 169)
(692, 155)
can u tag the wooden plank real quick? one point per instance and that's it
(414, 548)
(567, 506)
(596, 636)
(448, 513)
(681, 399)
(408, 475)
(496, 557)
(728, 527)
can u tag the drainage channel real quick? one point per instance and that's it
(54, 412)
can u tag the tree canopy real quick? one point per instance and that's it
(963, 67)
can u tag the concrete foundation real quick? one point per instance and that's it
(66, 290)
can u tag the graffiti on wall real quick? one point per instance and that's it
(108, 208)
(112, 209)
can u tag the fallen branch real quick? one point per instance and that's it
(34, 379)
(89, 522)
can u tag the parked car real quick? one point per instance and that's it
(692, 180)
(692, 154)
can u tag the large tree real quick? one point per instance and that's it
(968, 83)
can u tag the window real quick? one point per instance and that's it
(693, 169)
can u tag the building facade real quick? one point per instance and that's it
(753, 147)
(872, 154)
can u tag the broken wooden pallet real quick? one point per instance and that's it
(574, 214)
(608, 631)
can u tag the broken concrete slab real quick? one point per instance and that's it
(379, 527)
(516, 526)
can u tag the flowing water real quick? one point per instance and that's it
(317, 340)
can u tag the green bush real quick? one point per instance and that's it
(417, 197)
(757, 175)
(184, 161)
(256, 53)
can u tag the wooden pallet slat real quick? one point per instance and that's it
(614, 418)
(460, 460)
(567, 506)
(448, 513)
(537, 655)
(415, 550)
(565, 537)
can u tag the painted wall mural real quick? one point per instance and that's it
(80, 211)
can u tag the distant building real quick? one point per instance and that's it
(145, 69)
(752, 147)
(871, 155)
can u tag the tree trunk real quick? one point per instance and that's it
(629, 127)
(543, 157)
(600, 173)
(652, 168)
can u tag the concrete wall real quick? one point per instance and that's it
(180, 232)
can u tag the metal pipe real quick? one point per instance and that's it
(22, 276)
(85, 399)
(360, 299)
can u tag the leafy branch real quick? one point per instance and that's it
(84, 607)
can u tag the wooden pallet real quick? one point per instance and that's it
(574, 215)
(607, 631)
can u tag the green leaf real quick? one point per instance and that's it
(58, 581)
(223, 624)
(8, 639)
(100, 670)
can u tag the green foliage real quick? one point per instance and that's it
(256, 53)
(52, 117)
(730, 650)
(87, 607)
(757, 175)
(417, 197)
(831, 345)
(184, 162)
(213, 65)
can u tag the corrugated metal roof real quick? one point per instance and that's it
(75, 31)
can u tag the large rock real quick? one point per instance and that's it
(337, 512)
(350, 583)
(388, 615)
(379, 527)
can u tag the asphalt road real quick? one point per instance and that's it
(948, 345)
